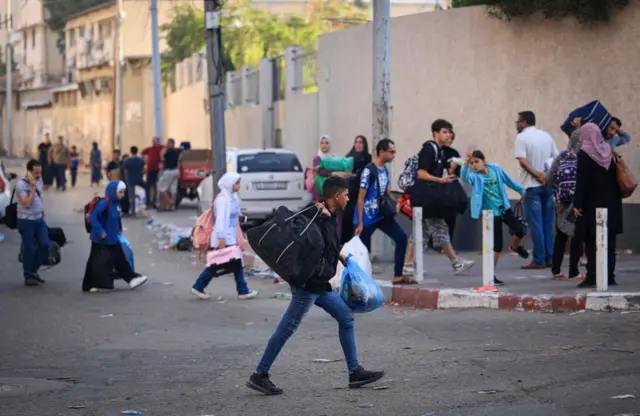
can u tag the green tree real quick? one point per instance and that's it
(250, 33)
(583, 10)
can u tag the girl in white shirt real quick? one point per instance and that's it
(225, 233)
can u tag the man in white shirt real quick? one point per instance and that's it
(534, 147)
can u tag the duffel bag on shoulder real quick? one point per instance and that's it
(438, 199)
(290, 244)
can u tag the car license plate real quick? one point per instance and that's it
(270, 186)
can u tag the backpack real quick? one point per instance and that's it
(409, 173)
(201, 232)
(88, 209)
(564, 180)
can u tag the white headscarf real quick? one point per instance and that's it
(227, 181)
(121, 186)
(322, 155)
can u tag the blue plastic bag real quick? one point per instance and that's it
(359, 291)
(128, 251)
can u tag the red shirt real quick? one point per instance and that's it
(152, 154)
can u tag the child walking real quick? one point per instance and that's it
(489, 193)
(225, 233)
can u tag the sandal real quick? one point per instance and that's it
(404, 280)
(560, 276)
(579, 276)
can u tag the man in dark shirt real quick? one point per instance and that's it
(113, 167)
(133, 176)
(433, 167)
(152, 156)
(318, 291)
(168, 181)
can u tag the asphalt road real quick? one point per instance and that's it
(160, 351)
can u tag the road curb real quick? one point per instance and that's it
(425, 298)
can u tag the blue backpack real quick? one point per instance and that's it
(564, 181)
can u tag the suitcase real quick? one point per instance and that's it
(593, 112)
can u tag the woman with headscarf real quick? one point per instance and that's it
(561, 177)
(95, 162)
(324, 152)
(224, 234)
(361, 158)
(106, 252)
(597, 187)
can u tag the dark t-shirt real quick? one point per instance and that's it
(43, 153)
(431, 159)
(134, 169)
(171, 158)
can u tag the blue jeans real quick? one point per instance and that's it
(390, 227)
(205, 278)
(301, 302)
(35, 245)
(61, 176)
(539, 210)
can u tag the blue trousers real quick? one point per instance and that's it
(539, 210)
(301, 302)
(35, 245)
(390, 227)
(205, 278)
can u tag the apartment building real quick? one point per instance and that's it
(37, 55)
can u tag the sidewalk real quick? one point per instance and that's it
(524, 290)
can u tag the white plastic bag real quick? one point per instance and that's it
(359, 254)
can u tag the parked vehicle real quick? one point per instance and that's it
(270, 178)
(193, 165)
(6, 189)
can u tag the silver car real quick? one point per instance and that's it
(270, 178)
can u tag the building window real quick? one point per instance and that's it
(33, 39)
(25, 40)
(90, 32)
(81, 32)
(105, 29)
(72, 37)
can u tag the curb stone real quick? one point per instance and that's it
(425, 298)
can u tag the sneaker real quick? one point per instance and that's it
(200, 294)
(497, 282)
(262, 383)
(30, 281)
(408, 269)
(361, 377)
(38, 279)
(137, 281)
(97, 290)
(461, 265)
(252, 294)
(520, 251)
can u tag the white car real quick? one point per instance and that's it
(6, 188)
(270, 178)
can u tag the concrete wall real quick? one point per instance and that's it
(479, 76)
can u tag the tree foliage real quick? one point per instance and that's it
(250, 33)
(583, 10)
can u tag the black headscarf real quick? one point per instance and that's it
(360, 159)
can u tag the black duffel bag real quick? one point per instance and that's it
(290, 244)
(438, 199)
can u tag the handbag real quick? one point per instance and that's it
(626, 180)
(386, 206)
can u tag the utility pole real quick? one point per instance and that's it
(381, 122)
(8, 57)
(381, 117)
(215, 85)
(155, 60)
(119, 63)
